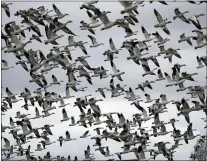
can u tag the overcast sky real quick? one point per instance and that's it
(17, 78)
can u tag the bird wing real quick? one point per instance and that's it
(67, 135)
(54, 79)
(5, 64)
(86, 133)
(165, 29)
(64, 113)
(146, 68)
(57, 11)
(92, 39)
(144, 31)
(83, 48)
(159, 17)
(112, 44)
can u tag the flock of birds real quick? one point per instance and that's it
(113, 125)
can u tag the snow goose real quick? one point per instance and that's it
(61, 139)
(204, 59)
(148, 37)
(100, 72)
(148, 98)
(197, 106)
(200, 64)
(200, 42)
(200, 34)
(101, 91)
(172, 82)
(12, 126)
(160, 40)
(164, 100)
(153, 58)
(110, 56)
(82, 60)
(191, 136)
(55, 81)
(162, 23)
(5, 65)
(82, 47)
(184, 38)
(140, 87)
(65, 115)
(160, 75)
(104, 18)
(68, 138)
(47, 67)
(84, 73)
(25, 127)
(57, 11)
(62, 103)
(72, 82)
(5, 6)
(147, 70)
(67, 52)
(185, 110)
(144, 113)
(19, 46)
(47, 141)
(7, 145)
(108, 154)
(181, 87)
(61, 26)
(12, 96)
(148, 84)
(142, 45)
(172, 52)
(97, 119)
(116, 72)
(89, 5)
(163, 130)
(19, 115)
(132, 96)
(42, 11)
(94, 22)
(129, 8)
(51, 37)
(35, 65)
(172, 121)
(67, 93)
(135, 54)
(17, 28)
(113, 48)
(194, 20)
(127, 29)
(180, 15)
(85, 26)
(73, 123)
(71, 42)
(46, 110)
(35, 37)
(188, 76)
(157, 123)
(178, 66)
(94, 42)
(85, 134)
(39, 148)
(98, 130)
(37, 114)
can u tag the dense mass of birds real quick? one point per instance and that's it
(198, 149)
(131, 133)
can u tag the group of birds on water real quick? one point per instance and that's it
(37, 65)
